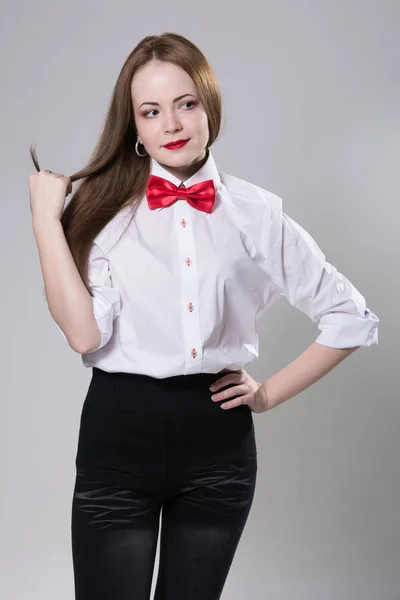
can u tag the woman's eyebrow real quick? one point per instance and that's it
(174, 100)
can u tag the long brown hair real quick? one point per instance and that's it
(116, 176)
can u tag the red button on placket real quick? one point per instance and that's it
(194, 353)
(190, 307)
(188, 262)
(183, 223)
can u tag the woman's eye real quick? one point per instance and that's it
(155, 110)
(148, 112)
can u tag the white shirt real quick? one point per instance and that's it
(182, 289)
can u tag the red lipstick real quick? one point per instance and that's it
(176, 145)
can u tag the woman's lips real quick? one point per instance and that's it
(175, 146)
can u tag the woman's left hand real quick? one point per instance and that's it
(250, 392)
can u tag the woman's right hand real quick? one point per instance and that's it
(47, 193)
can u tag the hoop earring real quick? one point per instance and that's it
(136, 148)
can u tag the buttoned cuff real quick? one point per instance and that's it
(345, 330)
(106, 307)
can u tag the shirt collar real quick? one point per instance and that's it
(207, 171)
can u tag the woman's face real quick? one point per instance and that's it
(167, 108)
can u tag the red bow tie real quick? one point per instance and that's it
(160, 193)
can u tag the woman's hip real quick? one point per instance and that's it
(136, 420)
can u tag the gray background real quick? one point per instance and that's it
(311, 99)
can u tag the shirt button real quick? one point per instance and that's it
(194, 353)
(188, 262)
(183, 223)
(190, 307)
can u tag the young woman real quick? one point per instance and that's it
(156, 272)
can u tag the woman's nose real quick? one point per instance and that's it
(172, 124)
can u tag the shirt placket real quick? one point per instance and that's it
(190, 308)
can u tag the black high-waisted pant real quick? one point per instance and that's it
(147, 445)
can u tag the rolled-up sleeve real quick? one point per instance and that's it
(299, 271)
(106, 299)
